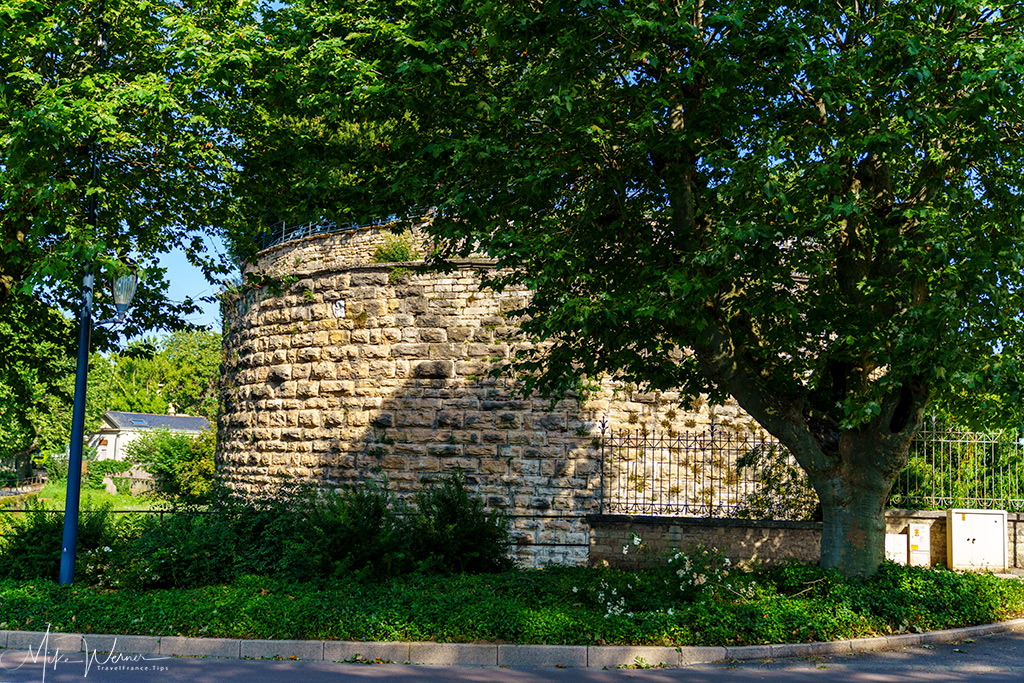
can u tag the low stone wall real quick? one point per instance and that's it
(336, 250)
(743, 540)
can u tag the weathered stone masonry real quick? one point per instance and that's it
(363, 370)
(360, 369)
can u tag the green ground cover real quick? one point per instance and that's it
(578, 606)
(54, 494)
(358, 564)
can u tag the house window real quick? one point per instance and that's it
(139, 422)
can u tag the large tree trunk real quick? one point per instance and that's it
(853, 521)
(860, 466)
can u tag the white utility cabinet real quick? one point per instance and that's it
(976, 539)
(896, 548)
(920, 545)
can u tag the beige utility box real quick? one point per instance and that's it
(920, 545)
(976, 539)
(896, 548)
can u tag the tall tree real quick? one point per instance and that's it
(36, 365)
(813, 207)
(182, 368)
(142, 81)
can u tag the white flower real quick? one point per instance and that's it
(575, 589)
(636, 540)
(625, 550)
(670, 612)
(700, 580)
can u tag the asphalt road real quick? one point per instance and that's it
(995, 659)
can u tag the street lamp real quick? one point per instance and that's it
(124, 290)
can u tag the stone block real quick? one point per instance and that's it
(435, 369)
(532, 656)
(612, 656)
(418, 418)
(44, 641)
(453, 654)
(507, 421)
(201, 647)
(424, 464)
(279, 373)
(285, 649)
(341, 651)
(748, 652)
(114, 644)
(700, 654)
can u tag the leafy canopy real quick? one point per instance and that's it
(810, 198)
(150, 101)
(815, 208)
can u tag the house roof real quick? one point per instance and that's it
(178, 423)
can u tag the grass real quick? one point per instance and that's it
(54, 495)
(558, 605)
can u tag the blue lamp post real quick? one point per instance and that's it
(124, 290)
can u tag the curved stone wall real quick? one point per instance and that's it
(358, 369)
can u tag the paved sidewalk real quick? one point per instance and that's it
(40, 645)
(997, 658)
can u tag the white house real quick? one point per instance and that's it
(119, 429)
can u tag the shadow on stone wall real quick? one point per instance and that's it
(360, 371)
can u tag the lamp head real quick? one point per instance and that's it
(124, 290)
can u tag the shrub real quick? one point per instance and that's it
(783, 491)
(98, 469)
(33, 549)
(181, 464)
(452, 532)
(185, 549)
(355, 529)
(396, 249)
(56, 465)
(700, 572)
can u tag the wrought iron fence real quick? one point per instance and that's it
(283, 232)
(720, 471)
(741, 471)
(956, 468)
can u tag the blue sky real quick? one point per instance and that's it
(186, 280)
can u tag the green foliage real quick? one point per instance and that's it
(31, 548)
(149, 98)
(358, 532)
(182, 368)
(557, 605)
(56, 465)
(454, 533)
(181, 463)
(184, 550)
(356, 529)
(774, 200)
(783, 490)
(98, 469)
(395, 249)
(396, 275)
(36, 375)
(954, 468)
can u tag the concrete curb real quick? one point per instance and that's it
(460, 654)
